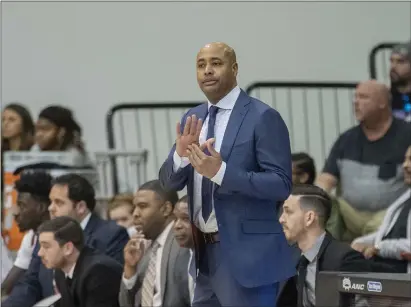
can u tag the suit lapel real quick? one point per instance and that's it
(90, 228)
(78, 269)
(233, 127)
(168, 254)
(326, 242)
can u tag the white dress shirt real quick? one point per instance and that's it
(84, 222)
(225, 106)
(71, 272)
(25, 252)
(161, 240)
(6, 263)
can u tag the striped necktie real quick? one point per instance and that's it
(147, 293)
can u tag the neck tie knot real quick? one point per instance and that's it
(213, 111)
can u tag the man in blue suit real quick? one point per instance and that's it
(70, 195)
(237, 167)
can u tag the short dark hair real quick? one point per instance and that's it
(79, 189)
(65, 229)
(37, 183)
(314, 198)
(165, 195)
(305, 163)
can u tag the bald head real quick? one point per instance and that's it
(226, 49)
(372, 98)
(217, 70)
(378, 89)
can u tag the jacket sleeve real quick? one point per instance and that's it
(273, 153)
(116, 244)
(27, 291)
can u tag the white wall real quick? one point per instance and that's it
(92, 55)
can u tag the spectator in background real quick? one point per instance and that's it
(84, 276)
(393, 239)
(120, 210)
(303, 168)
(400, 74)
(33, 189)
(17, 131)
(56, 130)
(366, 160)
(184, 236)
(17, 128)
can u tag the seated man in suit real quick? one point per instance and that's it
(84, 276)
(184, 236)
(305, 214)
(70, 195)
(33, 189)
(392, 240)
(157, 277)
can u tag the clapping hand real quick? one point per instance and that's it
(190, 135)
(204, 164)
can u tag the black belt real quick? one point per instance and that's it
(211, 237)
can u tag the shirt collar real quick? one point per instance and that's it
(71, 272)
(85, 221)
(312, 253)
(228, 101)
(161, 239)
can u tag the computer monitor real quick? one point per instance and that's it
(337, 289)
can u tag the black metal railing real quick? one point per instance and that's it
(150, 126)
(378, 61)
(316, 113)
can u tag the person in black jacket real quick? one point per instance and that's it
(71, 195)
(305, 214)
(84, 276)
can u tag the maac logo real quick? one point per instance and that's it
(346, 283)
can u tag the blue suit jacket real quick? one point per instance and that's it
(256, 149)
(37, 283)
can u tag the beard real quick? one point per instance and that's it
(397, 81)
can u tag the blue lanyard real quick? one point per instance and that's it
(407, 103)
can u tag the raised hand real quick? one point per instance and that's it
(133, 252)
(190, 135)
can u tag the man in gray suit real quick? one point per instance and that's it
(156, 276)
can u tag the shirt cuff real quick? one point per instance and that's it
(22, 262)
(129, 283)
(218, 178)
(179, 162)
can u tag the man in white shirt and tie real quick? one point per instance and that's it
(156, 277)
(237, 170)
